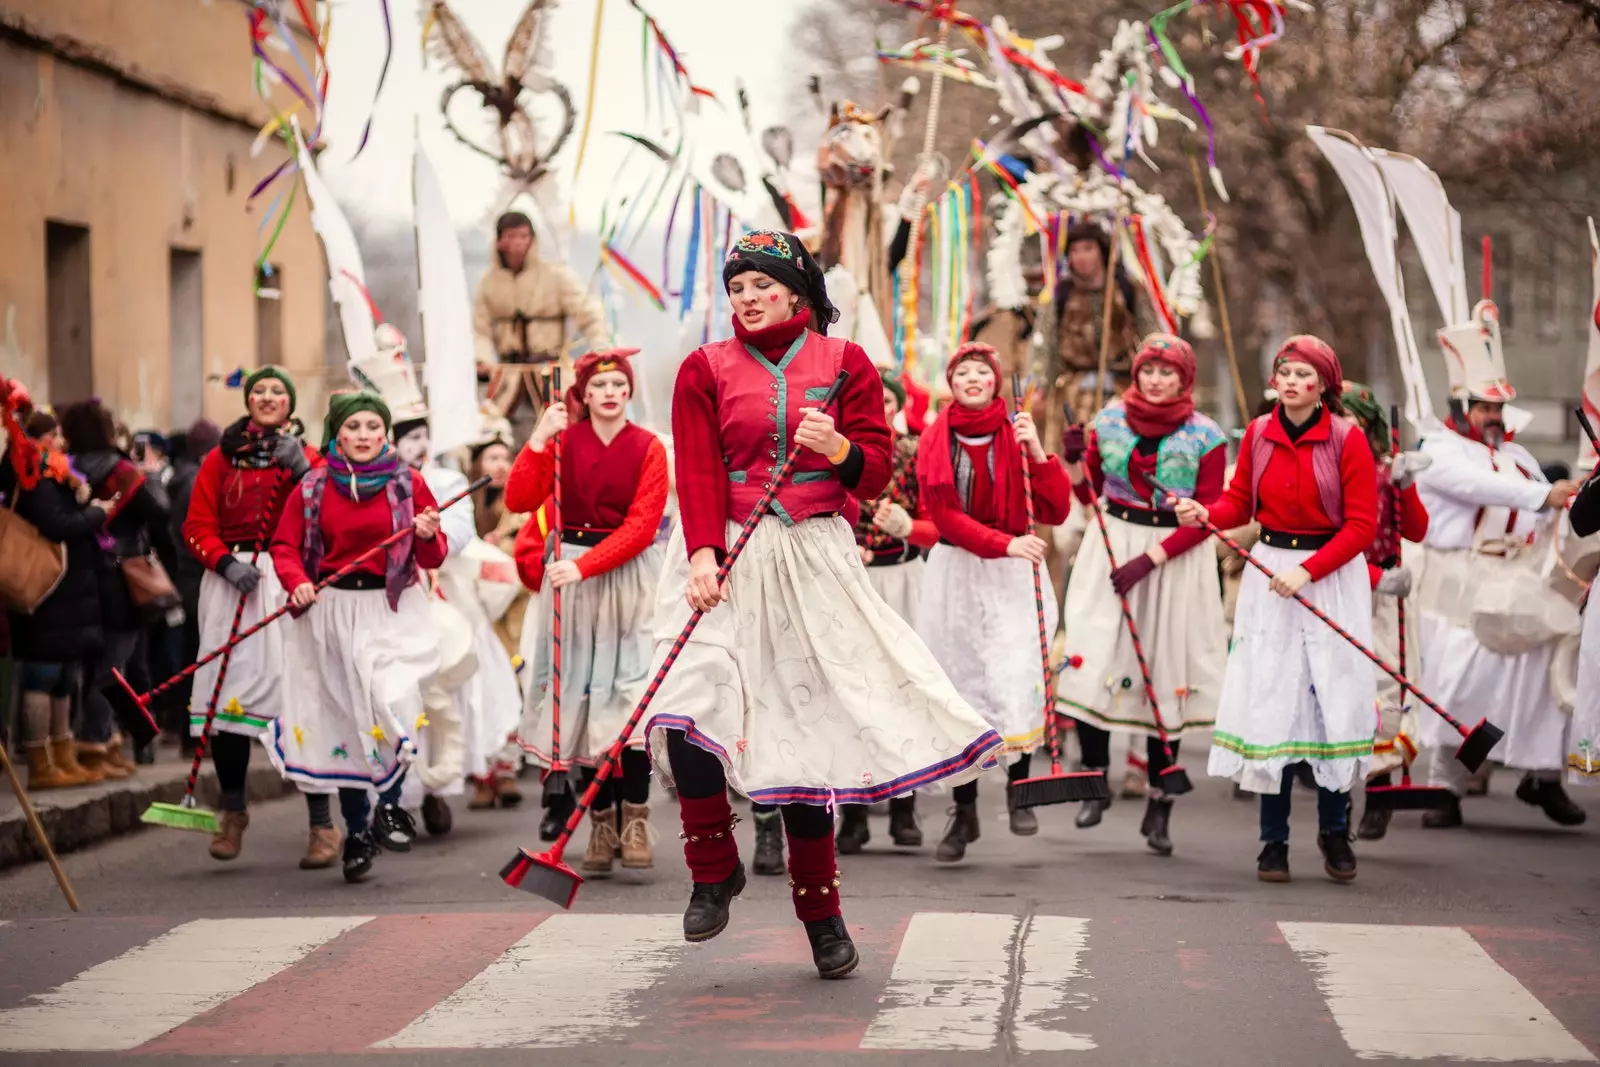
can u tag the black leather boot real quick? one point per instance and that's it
(962, 831)
(769, 843)
(1024, 823)
(903, 828)
(853, 830)
(707, 913)
(831, 948)
(1091, 813)
(1157, 817)
(1552, 799)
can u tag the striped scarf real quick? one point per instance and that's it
(362, 481)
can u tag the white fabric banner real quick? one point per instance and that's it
(347, 279)
(1435, 227)
(445, 302)
(1591, 366)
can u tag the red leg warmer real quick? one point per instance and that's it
(708, 845)
(813, 877)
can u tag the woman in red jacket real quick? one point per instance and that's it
(977, 610)
(238, 496)
(359, 660)
(799, 687)
(613, 493)
(1295, 691)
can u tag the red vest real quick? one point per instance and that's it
(758, 409)
(1324, 464)
(598, 481)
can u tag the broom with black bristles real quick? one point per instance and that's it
(187, 813)
(121, 695)
(1476, 743)
(1057, 787)
(543, 873)
(1173, 780)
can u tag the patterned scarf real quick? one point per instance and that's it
(248, 446)
(362, 481)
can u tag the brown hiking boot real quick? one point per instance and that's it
(42, 771)
(229, 840)
(93, 759)
(483, 796)
(116, 758)
(323, 848)
(510, 793)
(602, 842)
(637, 838)
(64, 754)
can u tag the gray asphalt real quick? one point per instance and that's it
(1185, 962)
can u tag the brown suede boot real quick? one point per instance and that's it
(64, 751)
(323, 848)
(483, 794)
(602, 843)
(42, 771)
(93, 759)
(637, 839)
(229, 840)
(510, 792)
(117, 758)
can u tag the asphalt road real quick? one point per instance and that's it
(1081, 946)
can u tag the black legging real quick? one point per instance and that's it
(635, 781)
(968, 793)
(699, 774)
(1096, 746)
(230, 754)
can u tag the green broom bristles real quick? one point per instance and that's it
(179, 817)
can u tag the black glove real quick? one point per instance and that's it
(240, 575)
(1073, 444)
(288, 453)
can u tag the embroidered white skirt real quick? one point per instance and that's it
(1295, 691)
(606, 646)
(804, 683)
(1583, 752)
(354, 693)
(1178, 610)
(1398, 725)
(252, 690)
(978, 618)
(900, 586)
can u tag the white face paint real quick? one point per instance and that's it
(413, 447)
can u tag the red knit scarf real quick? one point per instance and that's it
(936, 465)
(1148, 418)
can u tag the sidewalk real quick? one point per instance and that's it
(77, 818)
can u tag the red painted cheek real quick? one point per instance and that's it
(773, 299)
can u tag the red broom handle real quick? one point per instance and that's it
(233, 631)
(614, 754)
(1038, 586)
(1340, 630)
(349, 568)
(1127, 618)
(555, 599)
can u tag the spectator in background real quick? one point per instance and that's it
(188, 449)
(152, 452)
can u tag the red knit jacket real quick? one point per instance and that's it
(228, 504)
(977, 528)
(348, 530)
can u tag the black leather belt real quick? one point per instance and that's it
(1142, 516)
(358, 581)
(586, 538)
(892, 558)
(1305, 542)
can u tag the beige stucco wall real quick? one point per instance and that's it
(145, 175)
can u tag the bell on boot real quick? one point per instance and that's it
(831, 948)
(707, 913)
(768, 859)
(1157, 816)
(962, 831)
(903, 828)
(854, 832)
(1091, 813)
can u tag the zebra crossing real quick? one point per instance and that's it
(950, 982)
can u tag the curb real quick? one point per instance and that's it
(73, 823)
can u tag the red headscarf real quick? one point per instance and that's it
(594, 363)
(1149, 418)
(935, 466)
(1304, 348)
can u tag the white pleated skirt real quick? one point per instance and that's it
(979, 620)
(900, 586)
(606, 646)
(252, 689)
(804, 683)
(1178, 610)
(1583, 751)
(1295, 691)
(354, 690)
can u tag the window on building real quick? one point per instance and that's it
(69, 338)
(269, 315)
(187, 311)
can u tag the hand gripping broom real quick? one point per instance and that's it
(187, 814)
(1173, 780)
(126, 701)
(1476, 743)
(556, 782)
(1057, 787)
(543, 873)
(1405, 796)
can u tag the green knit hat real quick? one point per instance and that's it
(342, 405)
(271, 372)
(893, 385)
(1364, 407)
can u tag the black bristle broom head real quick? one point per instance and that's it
(1408, 798)
(133, 713)
(543, 875)
(1477, 745)
(1059, 788)
(1174, 782)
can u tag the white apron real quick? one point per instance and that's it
(1178, 610)
(1295, 691)
(354, 692)
(900, 586)
(978, 618)
(1583, 754)
(606, 645)
(804, 683)
(252, 690)
(1399, 726)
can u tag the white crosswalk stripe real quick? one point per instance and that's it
(1047, 997)
(593, 965)
(949, 984)
(143, 993)
(1422, 992)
